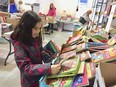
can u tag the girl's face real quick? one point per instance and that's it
(36, 29)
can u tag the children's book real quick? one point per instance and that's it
(105, 55)
(50, 51)
(69, 67)
(81, 80)
(91, 70)
(68, 55)
(68, 48)
(81, 47)
(84, 55)
(81, 68)
(60, 82)
(112, 41)
(74, 39)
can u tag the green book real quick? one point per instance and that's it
(69, 67)
(60, 82)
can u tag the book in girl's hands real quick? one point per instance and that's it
(84, 55)
(69, 67)
(60, 82)
(50, 51)
(81, 80)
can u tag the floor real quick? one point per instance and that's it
(9, 74)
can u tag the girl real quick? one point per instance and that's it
(51, 13)
(27, 42)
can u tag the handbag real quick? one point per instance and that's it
(82, 20)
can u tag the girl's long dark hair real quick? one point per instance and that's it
(23, 30)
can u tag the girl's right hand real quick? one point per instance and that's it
(55, 68)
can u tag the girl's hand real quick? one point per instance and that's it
(55, 68)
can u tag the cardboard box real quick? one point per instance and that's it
(50, 19)
(12, 21)
(108, 71)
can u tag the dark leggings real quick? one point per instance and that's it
(50, 26)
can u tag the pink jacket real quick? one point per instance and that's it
(52, 12)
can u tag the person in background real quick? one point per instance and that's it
(13, 7)
(85, 19)
(51, 13)
(27, 42)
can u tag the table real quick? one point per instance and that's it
(6, 37)
(63, 22)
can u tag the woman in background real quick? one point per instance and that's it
(84, 19)
(51, 13)
(27, 42)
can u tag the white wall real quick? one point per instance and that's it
(68, 5)
(84, 7)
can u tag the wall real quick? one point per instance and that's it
(44, 4)
(68, 5)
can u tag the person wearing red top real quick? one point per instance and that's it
(52, 13)
(27, 42)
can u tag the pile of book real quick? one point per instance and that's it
(79, 59)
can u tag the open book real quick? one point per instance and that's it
(69, 67)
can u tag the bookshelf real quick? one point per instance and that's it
(111, 15)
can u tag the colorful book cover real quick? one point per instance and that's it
(97, 56)
(68, 54)
(105, 55)
(74, 39)
(91, 69)
(60, 82)
(81, 68)
(68, 48)
(81, 80)
(69, 67)
(84, 55)
(81, 47)
(112, 41)
(50, 51)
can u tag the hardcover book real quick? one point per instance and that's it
(81, 47)
(60, 82)
(68, 55)
(69, 67)
(84, 55)
(68, 48)
(50, 51)
(81, 80)
(105, 55)
(74, 39)
(91, 70)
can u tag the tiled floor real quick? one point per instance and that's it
(9, 74)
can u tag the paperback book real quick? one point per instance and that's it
(67, 48)
(60, 82)
(84, 55)
(74, 39)
(68, 55)
(105, 55)
(69, 67)
(81, 80)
